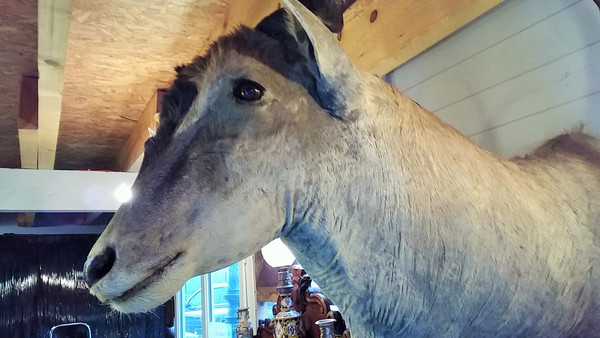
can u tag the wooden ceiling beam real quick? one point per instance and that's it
(243, 12)
(131, 155)
(380, 35)
(54, 18)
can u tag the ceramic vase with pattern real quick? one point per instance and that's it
(326, 327)
(286, 323)
(244, 328)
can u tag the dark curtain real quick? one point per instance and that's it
(41, 286)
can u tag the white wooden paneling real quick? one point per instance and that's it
(525, 72)
(540, 44)
(540, 89)
(24, 190)
(521, 137)
(452, 51)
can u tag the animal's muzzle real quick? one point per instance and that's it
(99, 266)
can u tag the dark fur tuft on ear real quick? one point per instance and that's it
(179, 68)
(298, 52)
(338, 83)
(276, 26)
(331, 12)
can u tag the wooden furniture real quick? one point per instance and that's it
(312, 303)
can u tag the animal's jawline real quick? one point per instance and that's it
(145, 282)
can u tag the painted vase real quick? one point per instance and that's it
(286, 323)
(244, 328)
(326, 327)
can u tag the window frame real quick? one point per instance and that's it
(247, 286)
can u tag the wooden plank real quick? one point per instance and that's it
(542, 43)
(60, 190)
(54, 17)
(134, 148)
(386, 42)
(28, 122)
(28, 148)
(243, 12)
(379, 35)
(476, 37)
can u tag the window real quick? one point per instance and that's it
(207, 304)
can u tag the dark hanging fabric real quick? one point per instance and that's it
(41, 286)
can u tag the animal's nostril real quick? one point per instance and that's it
(100, 266)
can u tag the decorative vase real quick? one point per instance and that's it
(244, 328)
(326, 327)
(286, 323)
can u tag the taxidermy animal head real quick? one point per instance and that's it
(407, 225)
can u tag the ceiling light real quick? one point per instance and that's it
(123, 193)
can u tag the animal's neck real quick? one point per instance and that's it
(419, 216)
(411, 178)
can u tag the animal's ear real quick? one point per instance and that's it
(331, 12)
(338, 82)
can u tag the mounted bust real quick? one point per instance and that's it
(409, 227)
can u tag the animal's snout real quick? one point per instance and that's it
(99, 266)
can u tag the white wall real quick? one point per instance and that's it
(23, 190)
(526, 71)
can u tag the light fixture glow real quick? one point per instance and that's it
(123, 193)
(277, 254)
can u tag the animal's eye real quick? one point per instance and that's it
(247, 90)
